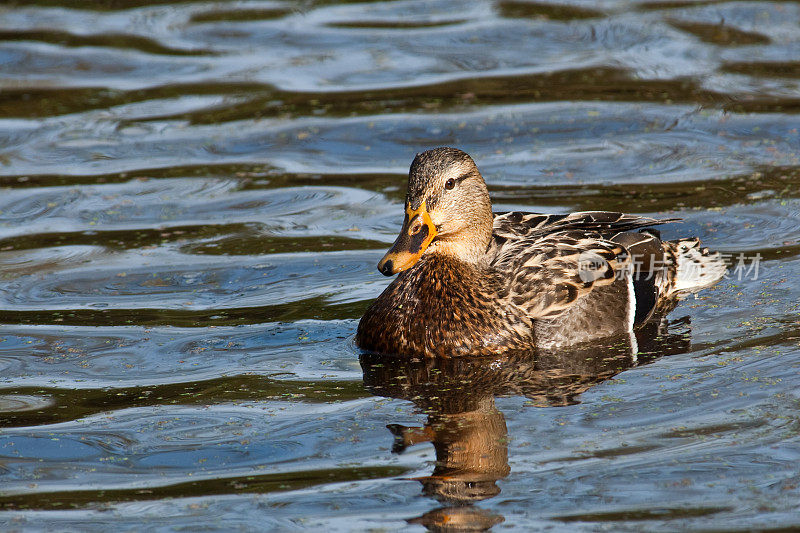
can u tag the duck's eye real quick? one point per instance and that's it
(416, 228)
(449, 184)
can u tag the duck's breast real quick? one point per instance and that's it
(443, 307)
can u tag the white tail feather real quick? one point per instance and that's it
(696, 268)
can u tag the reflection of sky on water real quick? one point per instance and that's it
(193, 197)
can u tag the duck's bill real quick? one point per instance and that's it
(417, 233)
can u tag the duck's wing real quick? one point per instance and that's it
(550, 261)
(516, 224)
(545, 275)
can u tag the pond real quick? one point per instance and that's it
(193, 199)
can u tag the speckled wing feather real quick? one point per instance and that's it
(550, 261)
(546, 275)
(515, 224)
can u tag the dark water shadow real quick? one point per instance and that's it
(239, 15)
(468, 431)
(59, 405)
(104, 499)
(720, 34)
(545, 11)
(109, 40)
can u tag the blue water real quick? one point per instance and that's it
(193, 198)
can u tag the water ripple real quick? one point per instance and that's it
(193, 197)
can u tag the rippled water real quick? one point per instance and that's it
(193, 198)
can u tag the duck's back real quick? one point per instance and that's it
(615, 277)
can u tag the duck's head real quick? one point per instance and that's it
(448, 211)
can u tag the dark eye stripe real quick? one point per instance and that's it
(458, 179)
(462, 177)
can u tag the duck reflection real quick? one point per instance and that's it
(469, 433)
(471, 451)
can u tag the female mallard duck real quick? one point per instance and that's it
(473, 282)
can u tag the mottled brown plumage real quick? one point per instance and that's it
(476, 283)
(444, 307)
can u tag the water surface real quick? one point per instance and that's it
(193, 198)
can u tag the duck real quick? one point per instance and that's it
(472, 282)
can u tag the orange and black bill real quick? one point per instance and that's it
(417, 233)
